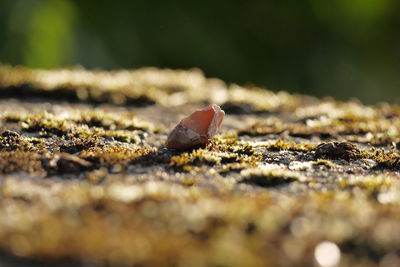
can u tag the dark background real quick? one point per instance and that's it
(343, 48)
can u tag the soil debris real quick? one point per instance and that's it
(337, 150)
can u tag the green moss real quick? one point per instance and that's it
(224, 151)
(282, 144)
(84, 126)
(45, 124)
(114, 121)
(322, 162)
(189, 181)
(238, 166)
(11, 117)
(379, 129)
(21, 161)
(112, 193)
(385, 160)
(10, 141)
(230, 143)
(200, 156)
(124, 136)
(371, 183)
(115, 154)
(261, 128)
(112, 124)
(74, 145)
(271, 101)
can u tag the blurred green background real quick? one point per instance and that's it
(342, 48)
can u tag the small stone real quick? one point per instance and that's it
(197, 129)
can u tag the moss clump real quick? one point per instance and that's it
(230, 143)
(189, 181)
(115, 154)
(322, 162)
(114, 121)
(384, 160)
(259, 128)
(371, 183)
(238, 166)
(45, 124)
(10, 140)
(282, 144)
(21, 154)
(81, 129)
(144, 86)
(200, 156)
(225, 151)
(75, 145)
(84, 133)
(21, 161)
(126, 136)
(331, 119)
(124, 127)
(251, 96)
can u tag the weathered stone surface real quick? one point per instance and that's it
(86, 179)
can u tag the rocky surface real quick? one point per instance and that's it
(289, 181)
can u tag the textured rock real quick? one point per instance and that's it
(86, 178)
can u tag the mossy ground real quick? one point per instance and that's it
(86, 179)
